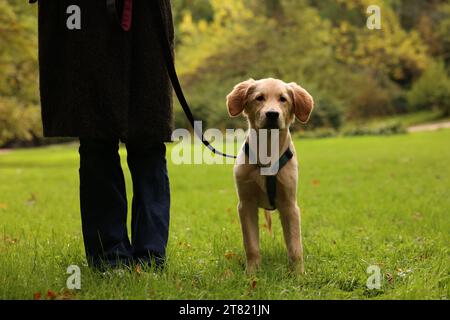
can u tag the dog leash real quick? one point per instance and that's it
(125, 22)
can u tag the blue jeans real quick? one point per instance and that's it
(103, 203)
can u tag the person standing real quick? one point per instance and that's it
(103, 84)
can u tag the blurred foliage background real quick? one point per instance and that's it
(355, 74)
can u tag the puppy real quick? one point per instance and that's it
(269, 104)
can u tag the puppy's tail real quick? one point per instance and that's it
(268, 216)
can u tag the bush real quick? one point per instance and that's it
(18, 122)
(400, 103)
(432, 90)
(317, 133)
(370, 100)
(382, 130)
(327, 114)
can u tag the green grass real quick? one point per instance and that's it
(365, 201)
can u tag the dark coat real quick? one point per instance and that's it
(100, 81)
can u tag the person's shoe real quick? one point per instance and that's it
(112, 266)
(153, 262)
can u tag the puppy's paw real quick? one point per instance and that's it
(252, 267)
(297, 268)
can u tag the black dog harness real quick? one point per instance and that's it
(271, 181)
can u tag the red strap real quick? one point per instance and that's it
(127, 16)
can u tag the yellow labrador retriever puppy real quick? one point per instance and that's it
(269, 104)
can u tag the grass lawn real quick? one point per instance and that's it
(365, 201)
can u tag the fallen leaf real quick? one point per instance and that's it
(67, 295)
(37, 296)
(390, 277)
(229, 255)
(316, 182)
(51, 295)
(184, 244)
(138, 269)
(253, 284)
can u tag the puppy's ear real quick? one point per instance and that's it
(237, 99)
(303, 102)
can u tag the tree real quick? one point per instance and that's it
(19, 114)
(274, 9)
(432, 90)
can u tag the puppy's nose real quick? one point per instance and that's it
(273, 115)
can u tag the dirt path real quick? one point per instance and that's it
(4, 151)
(430, 127)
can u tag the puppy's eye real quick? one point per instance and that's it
(260, 98)
(283, 99)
